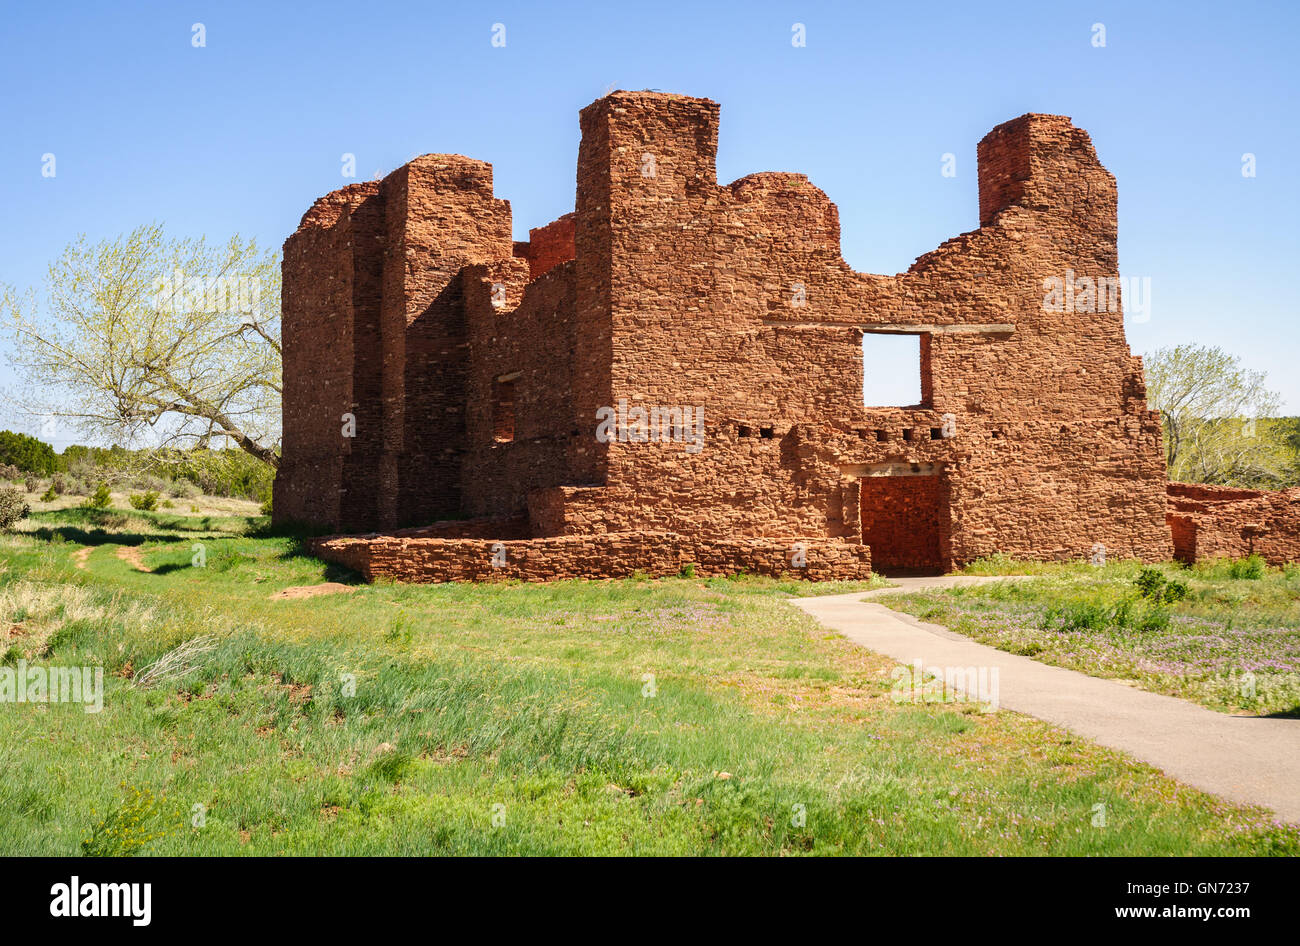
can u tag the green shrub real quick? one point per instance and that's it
(1153, 586)
(99, 499)
(1175, 590)
(1150, 582)
(688, 570)
(27, 453)
(184, 489)
(1250, 568)
(49, 495)
(147, 501)
(1135, 613)
(13, 507)
(1154, 618)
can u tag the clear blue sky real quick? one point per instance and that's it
(242, 135)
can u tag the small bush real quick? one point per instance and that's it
(49, 495)
(99, 499)
(266, 506)
(147, 501)
(1175, 590)
(1153, 586)
(688, 570)
(1151, 619)
(1136, 613)
(31, 484)
(184, 489)
(1251, 568)
(1150, 582)
(13, 507)
(59, 485)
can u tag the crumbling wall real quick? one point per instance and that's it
(1211, 522)
(736, 299)
(520, 340)
(326, 338)
(549, 246)
(610, 555)
(731, 306)
(441, 217)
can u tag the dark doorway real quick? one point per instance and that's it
(903, 520)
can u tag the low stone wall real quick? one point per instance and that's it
(1209, 522)
(611, 555)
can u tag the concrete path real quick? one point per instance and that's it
(1246, 759)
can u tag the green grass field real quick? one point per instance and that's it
(1230, 640)
(680, 716)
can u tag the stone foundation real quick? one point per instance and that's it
(1209, 522)
(612, 555)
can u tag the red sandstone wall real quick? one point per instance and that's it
(679, 293)
(374, 325)
(441, 217)
(319, 315)
(1221, 522)
(551, 245)
(530, 340)
(615, 555)
(1055, 450)
(902, 520)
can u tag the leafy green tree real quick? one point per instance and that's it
(1218, 419)
(173, 340)
(27, 453)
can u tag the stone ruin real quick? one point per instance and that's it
(671, 376)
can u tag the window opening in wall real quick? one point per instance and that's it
(894, 369)
(503, 409)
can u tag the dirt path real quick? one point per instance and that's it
(1247, 759)
(79, 557)
(133, 557)
(311, 591)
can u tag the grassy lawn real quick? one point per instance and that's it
(1228, 637)
(679, 716)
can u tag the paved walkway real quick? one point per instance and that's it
(1247, 759)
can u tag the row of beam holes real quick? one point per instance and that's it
(936, 433)
(909, 434)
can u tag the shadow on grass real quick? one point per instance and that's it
(99, 536)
